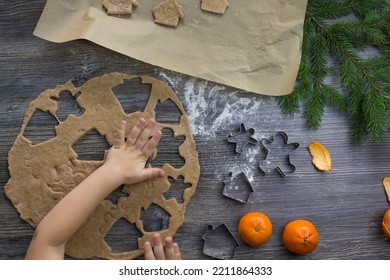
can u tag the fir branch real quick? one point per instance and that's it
(366, 81)
(332, 9)
(333, 98)
(314, 108)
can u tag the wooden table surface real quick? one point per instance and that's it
(346, 205)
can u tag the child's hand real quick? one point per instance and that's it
(172, 251)
(126, 160)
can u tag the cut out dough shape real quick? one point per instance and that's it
(214, 6)
(42, 174)
(168, 13)
(119, 7)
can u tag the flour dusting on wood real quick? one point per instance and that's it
(213, 114)
(209, 108)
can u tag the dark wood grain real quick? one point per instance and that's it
(346, 205)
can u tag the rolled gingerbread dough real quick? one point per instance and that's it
(42, 174)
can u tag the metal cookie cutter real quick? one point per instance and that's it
(238, 187)
(219, 242)
(242, 138)
(278, 154)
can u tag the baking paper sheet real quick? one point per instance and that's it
(255, 46)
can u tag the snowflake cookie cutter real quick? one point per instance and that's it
(219, 242)
(242, 138)
(238, 187)
(278, 152)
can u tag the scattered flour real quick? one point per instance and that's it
(248, 162)
(210, 108)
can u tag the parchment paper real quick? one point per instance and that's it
(254, 46)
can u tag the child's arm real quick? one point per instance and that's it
(124, 164)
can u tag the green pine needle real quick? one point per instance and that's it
(340, 30)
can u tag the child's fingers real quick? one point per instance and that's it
(151, 173)
(169, 249)
(148, 251)
(172, 251)
(151, 145)
(144, 135)
(120, 134)
(177, 251)
(135, 132)
(158, 247)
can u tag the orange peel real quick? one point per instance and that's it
(386, 223)
(320, 157)
(386, 186)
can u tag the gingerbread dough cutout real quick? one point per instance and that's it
(42, 174)
(119, 7)
(168, 13)
(215, 6)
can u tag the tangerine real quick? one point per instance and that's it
(386, 223)
(255, 228)
(300, 237)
